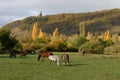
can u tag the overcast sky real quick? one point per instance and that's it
(11, 10)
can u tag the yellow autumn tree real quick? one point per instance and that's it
(82, 29)
(55, 33)
(55, 39)
(106, 36)
(41, 34)
(89, 36)
(35, 31)
(58, 42)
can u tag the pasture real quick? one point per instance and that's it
(89, 67)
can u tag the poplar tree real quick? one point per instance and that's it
(82, 29)
(55, 39)
(89, 36)
(106, 36)
(35, 31)
(41, 34)
(55, 33)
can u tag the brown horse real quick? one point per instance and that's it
(42, 55)
(23, 54)
(87, 52)
(65, 58)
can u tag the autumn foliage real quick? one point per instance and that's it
(35, 31)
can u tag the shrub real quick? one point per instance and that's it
(76, 41)
(112, 49)
(94, 46)
(106, 43)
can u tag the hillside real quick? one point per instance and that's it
(68, 24)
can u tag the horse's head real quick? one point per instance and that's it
(51, 53)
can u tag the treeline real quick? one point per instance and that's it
(96, 31)
(38, 40)
(98, 43)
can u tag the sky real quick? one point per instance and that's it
(11, 10)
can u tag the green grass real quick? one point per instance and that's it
(90, 67)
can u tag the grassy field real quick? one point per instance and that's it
(90, 67)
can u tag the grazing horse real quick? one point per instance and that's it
(54, 58)
(87, 52)
(23, 54)
(65, 58)
(42, 55)
(12, 55)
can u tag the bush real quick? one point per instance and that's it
(86, 46)
(106, 43)
(99, 49)
(76, 41)
(94, 46)
(112, 49)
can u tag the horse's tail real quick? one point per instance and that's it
(68, 58)
(39, 57)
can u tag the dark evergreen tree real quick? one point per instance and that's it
(7, 41)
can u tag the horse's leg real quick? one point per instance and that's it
(64, 63)
(50, 61)
(68, 63)
(42, 59)
(68, 60)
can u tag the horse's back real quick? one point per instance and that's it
(65, 56)
(53, 57)
(45, 54)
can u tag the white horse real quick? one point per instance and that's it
(54, 58)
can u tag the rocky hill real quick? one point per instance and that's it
(68, 23)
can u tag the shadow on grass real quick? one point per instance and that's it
(77, 64)
(4, 56)
(74, 65)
